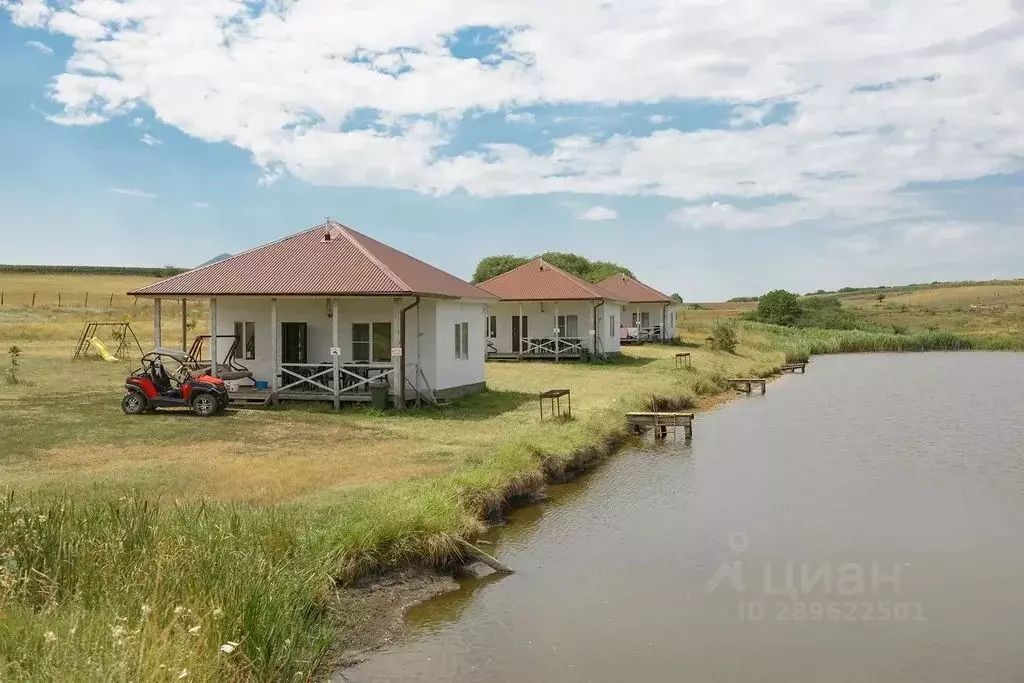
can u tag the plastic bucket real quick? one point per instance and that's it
(262, 384)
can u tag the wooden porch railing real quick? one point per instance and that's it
(355, 377)
(556, 345)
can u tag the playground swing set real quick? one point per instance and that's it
(121, 331)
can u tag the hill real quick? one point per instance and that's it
(989, 310)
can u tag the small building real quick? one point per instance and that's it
(648, 315)
(545, 312)
(323, 314)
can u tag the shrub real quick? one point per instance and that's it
(778, 307)
(723, 338)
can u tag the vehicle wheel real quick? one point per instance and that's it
(205, 405)
(134, 403)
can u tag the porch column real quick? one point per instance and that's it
(335, 357)
(521, 334)
(156, 322)
(275, 357)
(213, 336)
(184, 326)
(396, 343)
(558, 331)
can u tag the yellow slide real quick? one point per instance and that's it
(102, 349)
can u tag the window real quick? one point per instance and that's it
(612, 330)
(568, 326)
(492, 327)
(245, 340)
(642, 319)
(462, 341)
(371, 342)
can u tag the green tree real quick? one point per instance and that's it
(676, 298)
(580, 266)
(570, 263)
(493, 266)
(602, 270)
(778, 307)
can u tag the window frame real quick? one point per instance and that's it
(492, 327)
(368, 343)
(461, 330)
(613, 331)
(248, 331)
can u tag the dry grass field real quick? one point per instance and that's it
(983, 310)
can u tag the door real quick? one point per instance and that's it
(520, 329)
(293, 342)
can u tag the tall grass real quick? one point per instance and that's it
(801, 343)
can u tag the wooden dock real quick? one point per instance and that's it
(793, 367)
(747, 384)
(661, 423)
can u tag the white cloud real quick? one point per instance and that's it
(201, 205)
(132, 192)
(942, 235)
(42, 47)
(520, 117)
(148, 139)
(598, 213)
(138, 122)
(221, 72)
(659, 118)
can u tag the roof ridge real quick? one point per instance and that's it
(233, 256)
(589, 286)
(349, 234)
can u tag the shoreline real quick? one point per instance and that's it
(390, 595)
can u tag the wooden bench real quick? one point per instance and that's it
(747, 384)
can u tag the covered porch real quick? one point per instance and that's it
(322, 349)
(555, 330)
(645, 322)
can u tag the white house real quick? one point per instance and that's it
(322, 314)
(545, 312)
(649, 315)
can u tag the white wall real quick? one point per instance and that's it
(319, 327)
(452, 371)
(542, 323)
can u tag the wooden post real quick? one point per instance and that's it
(396, 342)
(419, 361)
(110, 304)
(213, 336)
(275, 356)
(157, 321)
(184, 327)
(557, 331)
(1, 297)
(58, 300)
(86, 300)
(33, 299)
(335, 334)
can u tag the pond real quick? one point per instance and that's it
(861, 523)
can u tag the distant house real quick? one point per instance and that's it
(322, 314)
(649, 315)
(545, 312)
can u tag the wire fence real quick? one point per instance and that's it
(69, 299)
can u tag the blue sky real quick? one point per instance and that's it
(715, 152)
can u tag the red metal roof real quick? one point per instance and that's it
(633, 291)
(538, 280)
(308, 263)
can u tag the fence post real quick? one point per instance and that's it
(58, 299)
(1, 297)
(33, 299)
(110, 304)
(86, 300)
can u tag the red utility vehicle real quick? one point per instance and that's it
(152, 386)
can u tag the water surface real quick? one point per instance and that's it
(737, 558)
